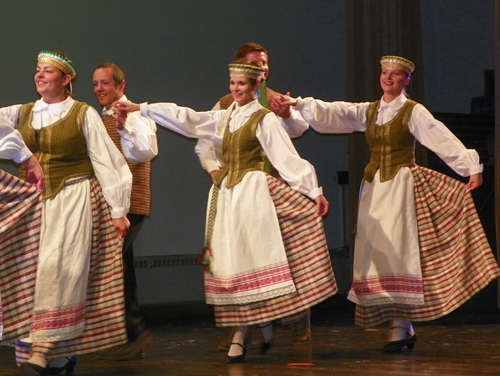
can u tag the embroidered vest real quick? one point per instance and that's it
(60, 148)
(228, 99)
(242, 151)
(392, 146)
(140, 199)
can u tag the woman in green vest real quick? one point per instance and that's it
(420, 250)
(79, 276)
(266, 255)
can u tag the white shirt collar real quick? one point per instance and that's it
(53, 108)
(122, 99)
(247, 110)
(395, 104)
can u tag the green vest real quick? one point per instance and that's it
(60, 148)
(392, 146)
(241, 151)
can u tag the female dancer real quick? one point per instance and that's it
(86, 197)
(420, 250)
(266, 253)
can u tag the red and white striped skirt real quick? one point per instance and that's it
(20, 221)
(307, 254)
(104, 313)
(455, 256)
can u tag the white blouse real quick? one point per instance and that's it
(11, 142)
(138, 138)
(345, 117)
(275, 142)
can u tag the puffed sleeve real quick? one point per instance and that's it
(138, 138)
(295, 125)
(278, 146)
(434, 135)
(12, 145)
(333, 117)
(109, 165)
(205, 150)
(182, 120)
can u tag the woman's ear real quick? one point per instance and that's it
(67, 79)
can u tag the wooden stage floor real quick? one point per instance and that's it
(464, 343)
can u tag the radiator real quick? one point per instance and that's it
(179, 279)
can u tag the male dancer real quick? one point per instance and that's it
(109, 87)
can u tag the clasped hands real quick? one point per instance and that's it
(120, 112)
(281, 104)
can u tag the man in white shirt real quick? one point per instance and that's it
(135, 137)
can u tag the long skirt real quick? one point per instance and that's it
(307, 256)
(20, 216)
(455, 256)
(103, 314)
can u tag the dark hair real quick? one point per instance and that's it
(249, 47)
(118, 74)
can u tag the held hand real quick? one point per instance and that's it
(475, 181)
(126, 106)
(287, 100)
(279, 107)
(120, 118)
(322, 205)
(34, 173)
(121, 226)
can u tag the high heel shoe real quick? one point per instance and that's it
(266, 346)
(397, 346)
(32, 369)
(69, 367)
(237, 358)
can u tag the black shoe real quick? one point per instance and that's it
(69, 367)
(31, 369)
(266, 346)
(397, 346)
(238, 358)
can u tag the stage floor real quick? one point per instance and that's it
(465, 343)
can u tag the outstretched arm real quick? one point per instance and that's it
(126, 107)
(291, 120)
(182, 120)
(138, 136)
(281, 104)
